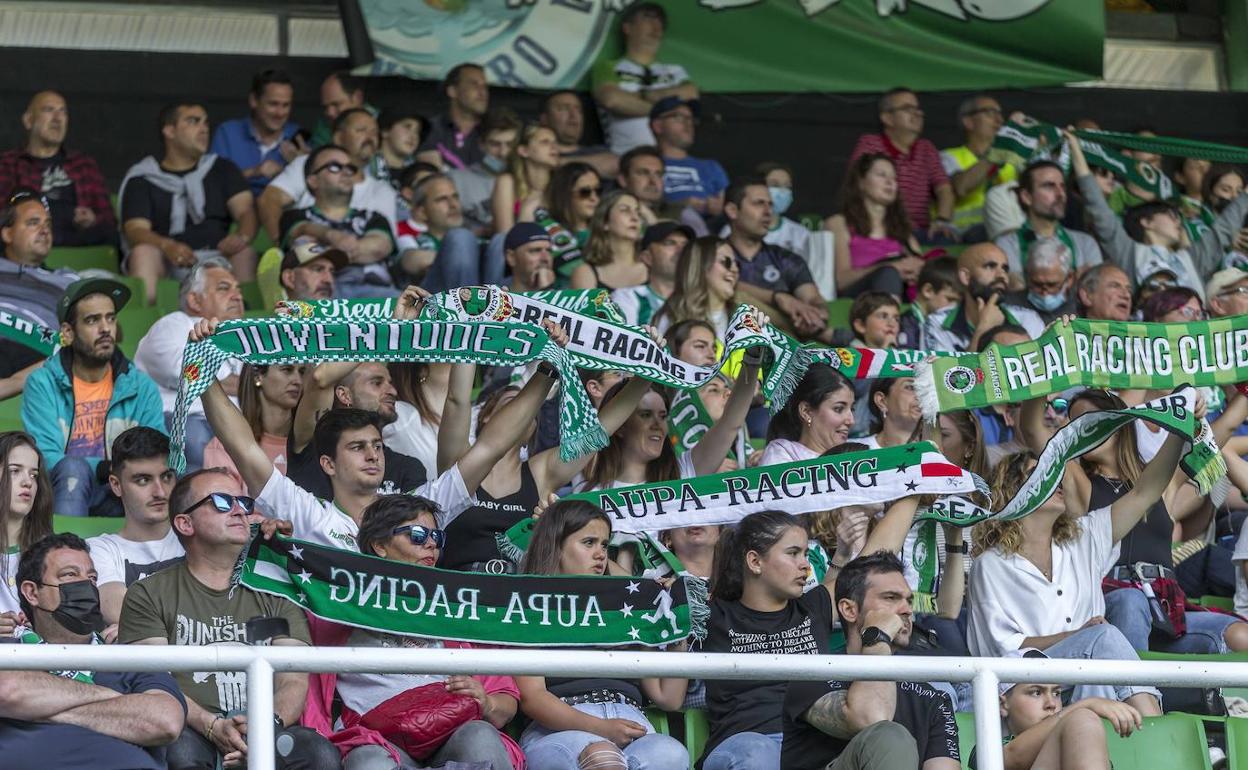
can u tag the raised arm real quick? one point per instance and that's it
(1127, 511)
(715, 444)
(456, 416)
(1106, 226)
(889, 535)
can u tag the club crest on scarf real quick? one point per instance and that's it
(481, 303)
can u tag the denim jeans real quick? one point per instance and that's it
(1127, 609)
(461, 262)
(75, 491)
(474, 744)
(746, 751)
(354, 282)
(560, 750)
(1101, 642)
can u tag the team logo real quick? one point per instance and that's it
(771, 274)
(295, 309)
(521, 43)
(846, 355)
(961, 379)
(191, 371)
(751, 323)
(484, 303)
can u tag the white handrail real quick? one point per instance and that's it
(262, 662)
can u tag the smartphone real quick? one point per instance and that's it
(262, 631)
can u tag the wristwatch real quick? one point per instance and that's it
(546, 370)
(872, 636)
(963, 548)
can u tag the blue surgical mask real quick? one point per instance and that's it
(781, 199)
(1046, 302)
(494, 165)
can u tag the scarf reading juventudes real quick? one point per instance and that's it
(287, 341)
(522, 610)
(599, 342)
(1103, 354)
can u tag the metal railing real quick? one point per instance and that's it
(261, 663)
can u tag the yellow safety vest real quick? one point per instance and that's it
(968, 211)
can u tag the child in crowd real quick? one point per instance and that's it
(937, 289)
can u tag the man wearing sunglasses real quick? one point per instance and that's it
(195, 603)
(349, 447)
(99, 719)
(355, 131)
(364, 236)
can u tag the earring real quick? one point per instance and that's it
(257, 383)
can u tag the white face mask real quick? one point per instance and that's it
(781, 199)
(493, 164)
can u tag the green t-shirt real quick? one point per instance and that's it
(173, 605)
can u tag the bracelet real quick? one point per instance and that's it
(546, 370)
(962, 548)
(212, 724)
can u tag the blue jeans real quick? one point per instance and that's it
(460, 262)
(1127, 608)
(474, 743)
(560, 750)
(353, 282)
(746, 751)
(1101, 642)
(75, 492)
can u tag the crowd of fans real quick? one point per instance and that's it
(400, 462)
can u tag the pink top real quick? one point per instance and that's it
(215, 456)
(864, 251)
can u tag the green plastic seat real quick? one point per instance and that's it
(658, 720)
(966, 735)
(1236, 743)
(167, 295)
(11, 413)
(1217, 602)
(251, 295)
(697, 731)
(838, 312)
(79, 258)
(87, 526)
(1175, 742)
(135, 319)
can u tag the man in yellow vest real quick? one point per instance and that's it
(969, 170)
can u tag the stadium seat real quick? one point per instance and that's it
(838, 313)
(1237, 743)
(1175, 742)
(251, 295)
(658, 720)
(697, 730)
(87, 526)
(1217, 602)
(167, 295)
(79, 258)
(810, 221)
(966, 735)
(135, 320)
(11, 413)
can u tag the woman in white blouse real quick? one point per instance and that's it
(1036, 582)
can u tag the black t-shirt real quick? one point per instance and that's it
(1149, 540)
(471, 539)
(358, 223)
(458, 150)
(404, 473)
(59, 190)
(924, 711)
(566, 688)
(40, 745)
(141, 199)
(802, 628)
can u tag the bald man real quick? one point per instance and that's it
(983, 277)
(70, 180)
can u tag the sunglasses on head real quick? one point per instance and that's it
(224, 503)
(585, 193)
(27, 195)
(419, 534)
(335, 167)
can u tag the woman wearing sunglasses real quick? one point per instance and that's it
(707, 277)
(404, 528)
(590, 722)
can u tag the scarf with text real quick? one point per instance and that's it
(1202, 461)
(1102, 354)
(27, 635)
(35, 336)
(288, 341)
(597, 341)
(521, 610)
(817, 484)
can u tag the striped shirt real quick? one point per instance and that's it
(919, 173)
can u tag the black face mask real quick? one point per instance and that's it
(79, 610)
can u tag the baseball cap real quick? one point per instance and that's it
(654, 8)
(663, 228)
(1026, 652)
(306, 248)
(669, 103)
(1152, 266)
(86, 286)
(524, 232)
(1223, 280)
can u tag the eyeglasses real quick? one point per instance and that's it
(727, 263)
(1234, 291)
(1190, 313)
(419, 534)
(1157, 284)
(334, 167)
(585, 193)
(225, 503)
(1058, 405)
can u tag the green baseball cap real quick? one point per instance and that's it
(87, 286)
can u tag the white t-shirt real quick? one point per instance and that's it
(159, 356)
(1011, 600)
(870, 442)
(322, 522)
(782, 450)
(369, 195)
(8, 591)
(412, 436)
(118, 560)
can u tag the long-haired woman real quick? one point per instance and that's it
(706, 287)
(26, 495)
(267, 396)
(611, 251)
(524, 187)
(818, 417)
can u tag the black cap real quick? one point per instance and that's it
(669, 103)
(86, 286)
(663, 228)
(524, 232)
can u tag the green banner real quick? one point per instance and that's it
(792, 45)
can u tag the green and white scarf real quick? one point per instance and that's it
(521, 610)
(288, 341)
(27, 635)
(1102, 354)
(817, 484)
(35, 336)
(1202, 461)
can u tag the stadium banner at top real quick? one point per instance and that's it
(752, 45)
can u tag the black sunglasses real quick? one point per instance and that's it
(419, 534)
(225, 503)
(585, 193)
(337, 168)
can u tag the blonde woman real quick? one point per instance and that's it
(611, 252)
(522, 189)
(707, 277)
